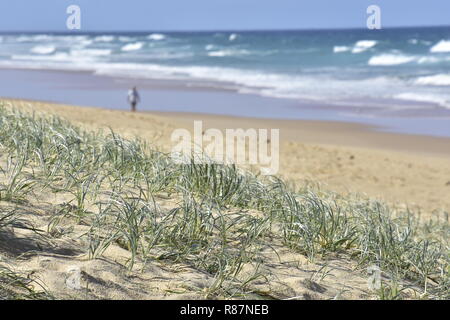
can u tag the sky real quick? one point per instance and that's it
(186, 15)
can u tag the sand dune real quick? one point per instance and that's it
(410, 176)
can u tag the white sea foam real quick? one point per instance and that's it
(126, 39)
(331, 83)
(168, 55)
(233, 37)
(39, 37)
(228, 53)
(156, 36)
(390, 60)
(23, 39)
(363, 45)
(423, 97)
(83, 59)
(434, 80)
(304, 87)
(43, 49)
(133, 46)
(432, 59)
(104, 38)
(442, 46)
(426, 60)
(57, 57)
(84, 42)
(218, 54)
(90, 52)
(338, 49)
(262, 83)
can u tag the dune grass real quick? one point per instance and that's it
(17, 286)
(222, 217)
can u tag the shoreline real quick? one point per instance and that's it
(404, 170)
(331, 133)
(83, 88)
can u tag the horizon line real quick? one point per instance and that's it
(223, 30)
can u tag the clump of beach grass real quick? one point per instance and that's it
(18, 286)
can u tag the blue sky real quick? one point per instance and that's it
(128, 15)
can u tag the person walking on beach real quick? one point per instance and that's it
(133, 98)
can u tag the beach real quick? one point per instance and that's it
(402, 169)
(93, 205)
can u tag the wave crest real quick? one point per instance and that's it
(363, 45)
(43, 49)
(441, 46)
(435, 80)
(104, 38)
(390, 60)
(91, 52)
(233, 37)
(156, 37)
(338, 49)
(133, 46)
(228, 53)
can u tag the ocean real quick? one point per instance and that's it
(375, 73)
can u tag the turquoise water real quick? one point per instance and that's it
(380, 72)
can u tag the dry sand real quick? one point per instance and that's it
(343, 157)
